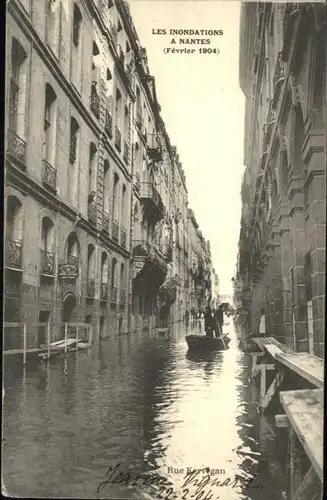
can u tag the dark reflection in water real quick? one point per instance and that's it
(144, 402)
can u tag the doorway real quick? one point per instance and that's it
(68, 307)
(44, 317)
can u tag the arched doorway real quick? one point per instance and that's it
(68, 306)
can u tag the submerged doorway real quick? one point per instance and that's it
(68, 307)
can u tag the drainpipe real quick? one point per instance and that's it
(130, 277)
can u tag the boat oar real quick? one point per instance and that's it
(221, 335)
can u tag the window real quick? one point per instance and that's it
(113, 273)
(77, 21)
(106, 187)
(17, 99)
(72, 249)
(76, 49)
(49, 124)
(123, 206)
(52, 24)
(47, 243)
(118, 109)
(73, 147)
(115, 208)
(92, 168)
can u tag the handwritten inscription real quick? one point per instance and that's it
(199, 482)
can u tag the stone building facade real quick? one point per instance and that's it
(281, 261)
(95, 195)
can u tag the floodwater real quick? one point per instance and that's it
(142, 405)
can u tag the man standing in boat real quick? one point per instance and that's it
(219, 320)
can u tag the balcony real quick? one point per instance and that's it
(47, 263)
(149, 194)
(139, 120)
(113, 298)
(16, 146)
(69, 270)
(122, 299)
(49, 175)
(115, 230)
(14, 254)
(123, 237)
(72, 149)
(137, 182)
(95, 101)
(104, 291)
(121, 55)
(117, 139)
(90, 288)
(154, 150)
(279, 77)
(105, 222)
(145, 251)
(108, 124)
(92, 212)
(125, 157)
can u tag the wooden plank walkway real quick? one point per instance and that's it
(306, 365)
(304, 409)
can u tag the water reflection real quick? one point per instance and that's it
(145, 402)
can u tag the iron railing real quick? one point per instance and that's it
(90, 288)
(49, 174)
(117, 139)
(122, 299)
(123, 237)
(14, 254)
(92, 212)
(73, 149)
(95, 102)
(147, 190)
(108, 124)
(16, 146)
(115, 230)
(104, 291)
(47, 263)
(113, 297)
(125, 156)
(105, 222)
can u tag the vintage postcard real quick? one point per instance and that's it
(164, 249)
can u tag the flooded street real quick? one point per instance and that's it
(146, 404)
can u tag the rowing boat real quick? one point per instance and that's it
(204, 342)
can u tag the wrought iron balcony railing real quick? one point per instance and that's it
(14, 254)
(104, 291)
(154, 150)
(125, 157)
(279, 76)
(92, 212)
(49, 175)
(142, 248)
(113, 297)
(117, 139)
(115, 230)
(123, 237)
(108, 124)
(73, 149)
(95, 102)
(47, 263)
(17, 146)
(90, 289)
(137, 182)
(122, 299)
(121, 55)
(105, 222)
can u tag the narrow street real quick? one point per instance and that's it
(145, 403)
